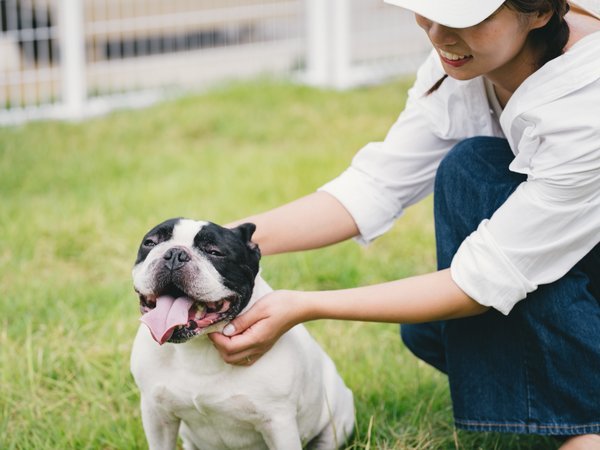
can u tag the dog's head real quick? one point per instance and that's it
(191, 275)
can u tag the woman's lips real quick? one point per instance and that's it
(453, 59)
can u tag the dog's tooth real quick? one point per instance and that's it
(201, 310)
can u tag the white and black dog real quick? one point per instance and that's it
(192, 278)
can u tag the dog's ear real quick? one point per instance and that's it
(245, 231)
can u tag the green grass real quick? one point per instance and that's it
(75, 200)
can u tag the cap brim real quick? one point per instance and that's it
(454, 14)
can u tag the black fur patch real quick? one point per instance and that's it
(232, 254)
(160, 233)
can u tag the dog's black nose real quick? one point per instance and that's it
(175, 258)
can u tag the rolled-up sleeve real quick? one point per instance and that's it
(552, 220)
(386, 177)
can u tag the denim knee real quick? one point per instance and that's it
(478, 160)
(462, 152)
(425, 341)
(471, 183)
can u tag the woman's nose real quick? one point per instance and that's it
(439, 35)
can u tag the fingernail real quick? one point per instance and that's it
(228, 330)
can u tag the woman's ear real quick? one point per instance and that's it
(540, 20)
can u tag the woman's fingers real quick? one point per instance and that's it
(252, 342)
(242, 358)
(253, 333)
(227, 350)
(242, 322)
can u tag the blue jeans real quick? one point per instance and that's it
(536, 370)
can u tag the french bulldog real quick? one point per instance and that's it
(192, 278)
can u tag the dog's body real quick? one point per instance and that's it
(290, 398)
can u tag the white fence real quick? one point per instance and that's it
(74, 58)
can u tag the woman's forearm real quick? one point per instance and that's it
(313, 221)
(422, 298)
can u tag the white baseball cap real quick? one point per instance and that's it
(451, 13)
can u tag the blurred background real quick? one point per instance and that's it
(264, 101)
(76, 58)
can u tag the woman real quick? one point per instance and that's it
(503, 124)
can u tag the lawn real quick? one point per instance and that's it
(75, 199)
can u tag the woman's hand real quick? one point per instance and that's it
(252, 334)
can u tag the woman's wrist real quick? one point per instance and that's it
(305, 305)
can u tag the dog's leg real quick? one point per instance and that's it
(160, 427)
(326, 440)
(281, 433)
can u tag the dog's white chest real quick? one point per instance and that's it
(212, 418)
(218, 405)
(288, 398)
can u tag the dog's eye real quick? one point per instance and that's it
(214, 252)
(149, 243)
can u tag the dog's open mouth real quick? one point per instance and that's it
(175, 317)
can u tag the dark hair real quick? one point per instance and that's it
(550, 39)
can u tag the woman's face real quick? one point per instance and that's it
(497, 47)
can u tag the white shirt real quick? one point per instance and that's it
(551, 221)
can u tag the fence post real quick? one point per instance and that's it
(72, 57)
(340, 44)
(317, 53)
(328, 43)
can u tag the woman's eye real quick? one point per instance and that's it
(149, 243)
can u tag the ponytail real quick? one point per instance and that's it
(436, 86)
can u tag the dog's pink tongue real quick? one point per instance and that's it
(168, 313)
